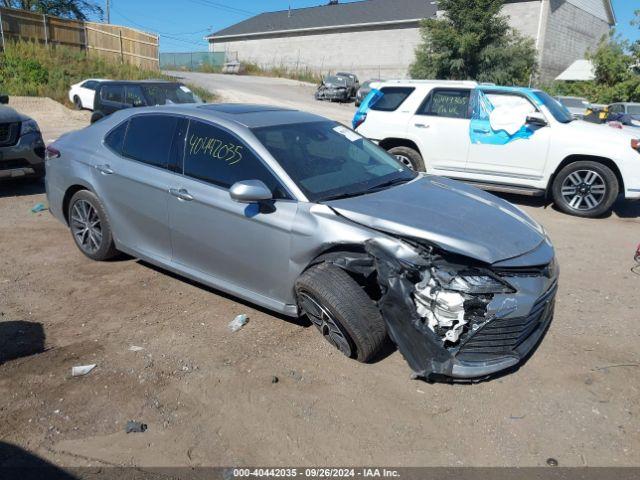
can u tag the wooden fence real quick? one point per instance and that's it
(116, 43)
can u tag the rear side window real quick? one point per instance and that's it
(220, 158)
(392, 98)
(90, 84)
(448, 103)
(149, 139)
(115, 138)
(112, 93)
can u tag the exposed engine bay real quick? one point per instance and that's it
(451, 318)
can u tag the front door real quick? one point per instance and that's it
(517, 156)
(441, 127)
(244, 247)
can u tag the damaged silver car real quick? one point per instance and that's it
(303, 216)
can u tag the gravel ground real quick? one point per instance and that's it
(208, 395)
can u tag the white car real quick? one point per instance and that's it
(507, 139)
(81, 94)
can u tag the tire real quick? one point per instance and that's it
(96, 116)
(96, 248)
(361, 332)
(77, 103)
(409, 158)
(585, 189)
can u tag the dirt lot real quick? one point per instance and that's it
(208, 395)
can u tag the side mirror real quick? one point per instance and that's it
(250, 191)
(4, 99)
(537, 119)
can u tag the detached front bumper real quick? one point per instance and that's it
(23, 159)
(499, 331)
(503, 343)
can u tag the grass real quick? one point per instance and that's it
(31, 69)
(302, 75)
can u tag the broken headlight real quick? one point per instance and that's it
(450, 301)
(475, 283)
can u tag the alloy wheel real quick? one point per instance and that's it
(86, 226)
(406, 161)
(324, 321)
(584, 190)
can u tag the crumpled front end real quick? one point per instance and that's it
(451, 317)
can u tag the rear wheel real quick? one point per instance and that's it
(585, 189)
(341, 310)
(90, 227)
(77, 103)
(408, 157)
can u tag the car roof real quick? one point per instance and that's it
(142, 82)
(413, 83)
(247, 115)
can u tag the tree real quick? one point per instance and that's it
(473, 41)
(78, 9)
(617, 78)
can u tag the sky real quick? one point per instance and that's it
(182, 24)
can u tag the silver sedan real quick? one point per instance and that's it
(303, 216)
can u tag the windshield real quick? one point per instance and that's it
(333, 80)
(328, 161)
(559, 111)
(160, 94)
(573, 102)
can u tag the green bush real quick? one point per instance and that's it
(32, 69)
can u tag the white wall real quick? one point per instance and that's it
(367, 53)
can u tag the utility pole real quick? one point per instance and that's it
(108, 11)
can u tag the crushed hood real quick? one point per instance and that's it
(458, 218)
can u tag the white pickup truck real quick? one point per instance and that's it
(508, 139)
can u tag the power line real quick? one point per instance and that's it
(237, 11)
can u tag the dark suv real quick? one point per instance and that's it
(21, 145)
(117, 95)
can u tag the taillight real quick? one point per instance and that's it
(51, 153)
(635, 144)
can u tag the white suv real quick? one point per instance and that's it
(508, 139)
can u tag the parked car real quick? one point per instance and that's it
(364, 90)
(112, 96)
(578, 106)
(303, 216)
(505, 139)
(333, 89)
(625, 108)
(21, 145)
(82, 94)
(353, 84)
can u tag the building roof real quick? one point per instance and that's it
(327, 16)
(578, 71)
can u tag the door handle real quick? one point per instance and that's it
(104, 169)
(421, 125)
(181, 194)
(482, 130)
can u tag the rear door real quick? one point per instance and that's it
(132, 179)
(441, 129)
(245, 247)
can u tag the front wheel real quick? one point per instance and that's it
(408, 157)
(90, 226)
(341, 310)
(585, 189)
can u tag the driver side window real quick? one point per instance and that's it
(215, 156)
